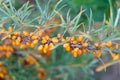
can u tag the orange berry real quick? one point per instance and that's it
(97, 53)
(51, 45)
(17, 42)
(67, 46)
(85, 44)
(7, 54)
(74, 42)
(79, 52)
(25, 33)
(55, 40)
(45, 50)
(22, 46)
(46, 46)
(72, 38)
(83, 50)
(10, 29)
(74, 53)
(76, 49)
(19, 38)
(1, 75)
(43, 41)
(109, 44)
(47, 37)
(115, 56)
(80, 38)
(16, 33)
(40, 48)
(96, 44)
(13, 37)
(32, 45)
(13, 43)
(34, 37)
(28, 43)
(35, 41)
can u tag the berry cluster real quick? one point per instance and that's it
(3, 72)
(6, 50)
(78, 46)
(44, 43)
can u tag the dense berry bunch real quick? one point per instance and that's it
(44, 43)
(13, 42)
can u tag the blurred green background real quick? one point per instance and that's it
(99, 9)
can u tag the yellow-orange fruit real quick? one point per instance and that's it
(10, 29)
(109, 44)
(72, 38)
(40, 48)
(28, 43)
(96, 44)
(32, 45)
(25, 33)
(74, 53)
(85, 44)
(74, 42)
(1, 75)
(67, 46)
(115, 56)
(43, 41)
(55, 40)
(80, 38)
(34, 37)
(79, 52)
(97, 53)
(35, 41)
(7, 54)
(13, 37)
(51, 45)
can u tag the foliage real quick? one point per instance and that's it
(39, 42)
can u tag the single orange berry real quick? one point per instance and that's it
(35, 41)
(72, 38)
(40, 48)
(109, 44)
(80, 38)
(25, 33)
(85, 44)
(96, 44)
(66, 45)
(55, 40)
(97, 53)
(115, 56)
(51, 45)
(10, 29)
(74, 53)
(1, 75)
(79, 52)
(34, 37)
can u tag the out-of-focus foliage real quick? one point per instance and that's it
(58, 40)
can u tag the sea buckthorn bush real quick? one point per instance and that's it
(39, 42)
